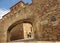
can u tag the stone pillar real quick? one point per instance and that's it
(8, 36)
(36, 32)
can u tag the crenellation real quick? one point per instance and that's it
(18, 5)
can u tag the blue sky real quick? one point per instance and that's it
(6, 4)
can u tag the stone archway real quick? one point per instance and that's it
(17, 31)
(28, 31)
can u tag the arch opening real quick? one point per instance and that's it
(20, 31)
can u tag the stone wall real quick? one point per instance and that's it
(43, 14)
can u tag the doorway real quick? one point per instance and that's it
(20, 31)
(28, 31)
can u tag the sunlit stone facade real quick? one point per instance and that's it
(43, 15)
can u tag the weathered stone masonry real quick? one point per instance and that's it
(43, 14)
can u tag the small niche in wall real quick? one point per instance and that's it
(54, 21)
(53, 18)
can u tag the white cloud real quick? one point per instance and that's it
(3, 12)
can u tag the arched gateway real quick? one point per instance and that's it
(20, 30)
